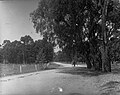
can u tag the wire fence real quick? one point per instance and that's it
(11, 69)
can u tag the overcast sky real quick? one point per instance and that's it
(15, 20)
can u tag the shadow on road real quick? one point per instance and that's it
(86, 72)
(81, 71)
(74, 94)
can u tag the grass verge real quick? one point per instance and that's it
(15, 69)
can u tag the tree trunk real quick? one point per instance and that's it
(100, 63)
(104, 58)
(89, 65)
(106, 66)
(109, 62)
(109, 65)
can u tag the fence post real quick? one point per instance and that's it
(36, 67)
(20, 68)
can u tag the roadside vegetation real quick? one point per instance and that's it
(87, 29)
(26, 51)
(15, 69)
(25, 56)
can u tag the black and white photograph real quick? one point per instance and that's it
(59, 47)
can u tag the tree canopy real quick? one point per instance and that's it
(71, 22)
(79, 26)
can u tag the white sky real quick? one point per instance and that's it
(15, 20)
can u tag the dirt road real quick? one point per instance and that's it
(70, 65)
(52, 82)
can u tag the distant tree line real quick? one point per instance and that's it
(26, 51)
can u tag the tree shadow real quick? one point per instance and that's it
(74, 94)
(81, 71)
(88, 72)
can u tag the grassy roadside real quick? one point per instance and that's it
(15, 69)
(105, 83)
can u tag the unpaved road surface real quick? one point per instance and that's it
(52, 82)
(69, 65)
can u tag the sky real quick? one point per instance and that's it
(15, 20)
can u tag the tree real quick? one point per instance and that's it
(30, 53)
(19, 51)
(45, 53)
(11, 51)
(15, 52)
(1, 55)
(27, 42)
(61, 56)
(81, 27)
(38, 45)
(114, 47)
(6, 50)
(65, 27)
(105, 13)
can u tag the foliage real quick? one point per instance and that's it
(1, 57)
(45, 54)
(25, 51)
(26, 40)
(77, 26)
(5, 51)
(62, 57)
(114, 49)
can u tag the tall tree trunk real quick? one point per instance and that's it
(109, 61)
(106, 66)
(100, 62)
(89, 65)
(104, 58)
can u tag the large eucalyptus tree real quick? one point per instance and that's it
(80, 27)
